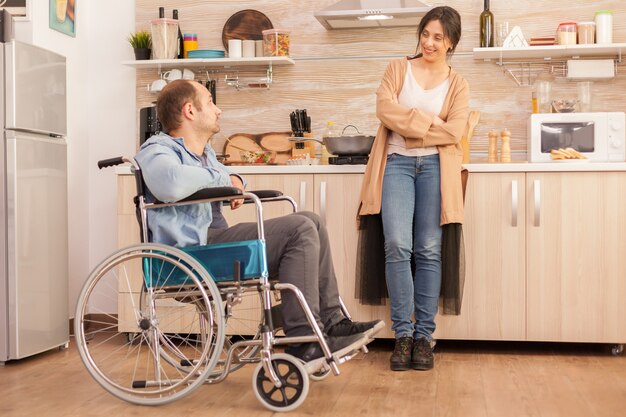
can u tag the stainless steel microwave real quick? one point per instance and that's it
(600, 137)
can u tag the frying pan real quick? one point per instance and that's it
(346, 144)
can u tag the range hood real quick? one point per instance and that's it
(348, 14)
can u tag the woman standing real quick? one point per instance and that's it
(413, 179)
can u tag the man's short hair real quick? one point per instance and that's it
(171, 101)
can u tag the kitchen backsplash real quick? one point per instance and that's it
(342, 89)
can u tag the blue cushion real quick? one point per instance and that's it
(217, 259)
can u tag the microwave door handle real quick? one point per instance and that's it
(537, 192)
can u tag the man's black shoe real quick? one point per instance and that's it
(310, 351)
(347, 327)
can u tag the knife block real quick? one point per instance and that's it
(304, 147)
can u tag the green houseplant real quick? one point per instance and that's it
(141, 42)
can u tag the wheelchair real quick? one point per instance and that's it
(168, 334)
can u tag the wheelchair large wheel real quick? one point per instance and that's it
(171, 308)
(294, 379)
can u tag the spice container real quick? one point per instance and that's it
(276, 42)
(586, 32)
(492, 155)
(604, 26)
(164, 38)
(566, 33)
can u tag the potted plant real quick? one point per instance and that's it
(141, 42)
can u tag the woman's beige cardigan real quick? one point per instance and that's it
(416, 126)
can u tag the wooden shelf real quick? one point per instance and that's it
(209, 62)
(613, 50)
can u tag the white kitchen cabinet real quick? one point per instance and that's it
(576, 256)
(493, 306)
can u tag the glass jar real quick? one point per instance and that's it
(276, 42)
(586, 32)
(566, 33)
(604, 26)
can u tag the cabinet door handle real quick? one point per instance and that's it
(323, 201)
(537, 191)
(514, 203)
(301, 204)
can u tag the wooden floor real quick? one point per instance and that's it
(469, 379)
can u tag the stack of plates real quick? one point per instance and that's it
(205, 53)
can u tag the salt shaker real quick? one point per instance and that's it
(492, 155)
(505, 152)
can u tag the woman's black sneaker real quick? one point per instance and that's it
(422, 357)
(401, 356)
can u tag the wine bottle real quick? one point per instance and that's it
(486, 27)
(180, 40)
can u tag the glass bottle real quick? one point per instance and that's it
(329, 132)
(180, 39)
(486, 27)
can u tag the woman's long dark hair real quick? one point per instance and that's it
(450, 22)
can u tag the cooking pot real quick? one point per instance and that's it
(346, 144)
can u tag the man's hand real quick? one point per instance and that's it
(236, 181)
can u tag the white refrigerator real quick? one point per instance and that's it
(33, 201)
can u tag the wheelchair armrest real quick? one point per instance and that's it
(214, 192)
(262, 194)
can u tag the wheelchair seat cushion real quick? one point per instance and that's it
(219, 261)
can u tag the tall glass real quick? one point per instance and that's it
(544, 96)
(584, 95)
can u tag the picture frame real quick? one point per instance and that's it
(17, 8)
(62, 15)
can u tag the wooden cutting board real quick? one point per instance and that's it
(271, 141)
(245, 24)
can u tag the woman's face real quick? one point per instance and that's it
(433, 43)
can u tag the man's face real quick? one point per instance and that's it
(207, 116)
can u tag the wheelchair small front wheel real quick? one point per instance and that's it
(293, 377)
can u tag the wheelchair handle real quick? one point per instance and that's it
(111, 162)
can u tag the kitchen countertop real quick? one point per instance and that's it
(575, 166)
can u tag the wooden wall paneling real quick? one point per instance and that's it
(333, 87)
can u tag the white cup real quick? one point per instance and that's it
(157, 85)
(173, 75)
(248, 49)
(234, 48)
(258, 48)
(188, 74)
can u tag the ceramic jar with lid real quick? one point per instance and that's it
(566, 33)
(604, 26)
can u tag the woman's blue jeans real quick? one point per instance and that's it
(411, 209)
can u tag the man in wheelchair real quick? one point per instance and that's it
(179, 162)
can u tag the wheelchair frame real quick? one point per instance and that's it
(193, 361)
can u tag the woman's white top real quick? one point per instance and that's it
(429, 101)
